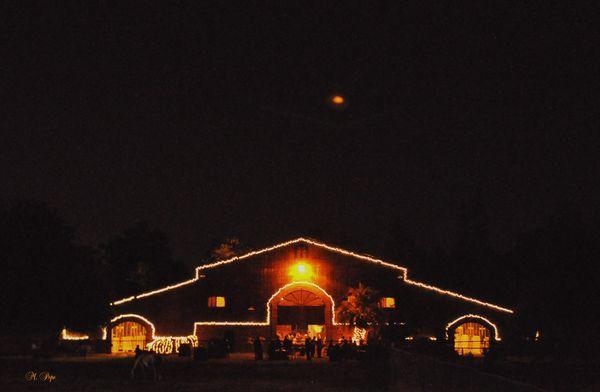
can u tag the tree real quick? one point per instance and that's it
(360, 308)
(49, 278)
(558, 279)
(229, 248)
(139, 259)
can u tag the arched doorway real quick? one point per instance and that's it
(127, 335)
(471, 338)
(472, 335)
(301, 309)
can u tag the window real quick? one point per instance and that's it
(387, 302)
(216, 302)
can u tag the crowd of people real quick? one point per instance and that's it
(294, 345)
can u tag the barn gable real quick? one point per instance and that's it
(401, 272)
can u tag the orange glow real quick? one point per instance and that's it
(324, 246)
(471, 339)
(216, 302)
(359, 334)
(170, 345)
(338, 99)
(160, 344)
(126, 336)
(268, 318)
(387, 302)
(301, 271)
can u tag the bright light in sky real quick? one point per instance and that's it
(337, 99)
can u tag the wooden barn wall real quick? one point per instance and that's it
(249, 283)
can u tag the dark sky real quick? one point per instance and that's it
(210, 121)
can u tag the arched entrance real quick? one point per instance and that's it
(471, 339)
(127, 334)
(472, 335)
(302, 308)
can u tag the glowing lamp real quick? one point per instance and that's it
(301, 271)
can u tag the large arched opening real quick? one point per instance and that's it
(127, 333)
(301, 308)
(472, 335)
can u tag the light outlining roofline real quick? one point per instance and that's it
(474, 316)
(324, 246)
(298, 240)
(456, 295)
(268, 305)
(157, 291)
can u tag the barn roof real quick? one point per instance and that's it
(365, 258)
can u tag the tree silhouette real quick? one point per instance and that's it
(360, 308)
(229, 248)
(50, 280)
(139, 259)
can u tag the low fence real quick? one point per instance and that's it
(422, 373)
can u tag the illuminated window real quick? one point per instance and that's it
(387, 302)
(216, 302)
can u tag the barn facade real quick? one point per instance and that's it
(294, 287)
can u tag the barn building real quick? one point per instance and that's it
(292, 287)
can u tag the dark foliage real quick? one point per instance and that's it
(49, 280)
(139, 259)
(550, 277)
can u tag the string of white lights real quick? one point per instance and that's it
(324, 246)
(473, 316)
(161, 344)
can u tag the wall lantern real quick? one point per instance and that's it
(301, 271)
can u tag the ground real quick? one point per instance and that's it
(242, 373)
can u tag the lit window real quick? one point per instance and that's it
(216, 302)
(387, 302)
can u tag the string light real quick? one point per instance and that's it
(149, 293)
(161, 344)
(456, 295)
(358, 335)
(324, 246)
(170, 345)
(66, 335)
(104, 333)
(474, 316)
(268, 306)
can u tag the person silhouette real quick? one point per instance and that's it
(319, 346)
(309, 348)
(258, 350)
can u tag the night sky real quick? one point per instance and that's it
(212, 121)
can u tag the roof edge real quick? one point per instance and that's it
(404, 270)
